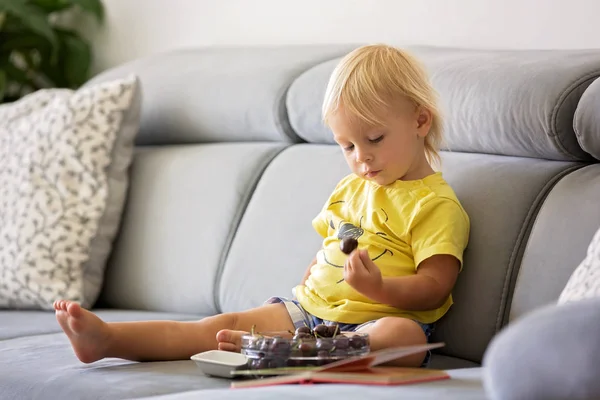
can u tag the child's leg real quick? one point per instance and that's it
(394, 331)
(93, 339)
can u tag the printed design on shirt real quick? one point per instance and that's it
(348, 230)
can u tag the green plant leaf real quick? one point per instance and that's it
(3, 84)
(31, 17)
(76, 58)
(15, 74)
(51, 5)
(93, 6)
(22, 40)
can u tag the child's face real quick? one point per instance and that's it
(386, 153)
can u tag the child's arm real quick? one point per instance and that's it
(427, 290)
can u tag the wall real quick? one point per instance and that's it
(139, 27)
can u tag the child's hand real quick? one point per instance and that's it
(362, 274)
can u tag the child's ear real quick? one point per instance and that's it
(424, 119)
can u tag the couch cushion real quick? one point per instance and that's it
(587, 120)
(501, 195)
(182, 211)
(19, 323)
(518, 103)
(219, 94)
(45, 367)
(64, 159)
(559, 240)
(465, 384)
(275, 241)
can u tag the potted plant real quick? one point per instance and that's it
(37, 51)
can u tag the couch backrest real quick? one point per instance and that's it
(566, 222)
(212, 121)
(215, 227)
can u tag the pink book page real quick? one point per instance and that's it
(377, 357)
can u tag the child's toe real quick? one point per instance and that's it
(225, 346)
(230, 336)
(73, 309)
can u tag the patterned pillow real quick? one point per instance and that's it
(584, 283)
(64, 160)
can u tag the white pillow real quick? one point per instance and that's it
(64, 160)
(584, 283)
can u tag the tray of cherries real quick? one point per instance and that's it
(303, 348)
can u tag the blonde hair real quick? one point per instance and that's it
(368, 78)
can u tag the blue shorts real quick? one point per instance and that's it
(300, 317)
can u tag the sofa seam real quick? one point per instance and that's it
(282, 119)
(521, 242)
(237, 219)
(577, 116)
(562, 98)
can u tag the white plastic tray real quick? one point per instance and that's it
(219, 363)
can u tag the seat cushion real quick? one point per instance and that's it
(45, 367)
(17, 323)
(40, 365)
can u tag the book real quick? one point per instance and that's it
(370, 376)
(354, 370)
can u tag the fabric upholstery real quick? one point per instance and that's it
(287, 198)
(218, 214)
(517, 103)
(587, 120)
(220, 94)
(20, 323)
(183, 209)
(440, 361)
(284, 203)
(550, 354)
(501, 195)
(559, 240)
(45, 367)
(64, 159)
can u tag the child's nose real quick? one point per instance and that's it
(363, 156)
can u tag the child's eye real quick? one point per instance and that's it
(376, 140)
(349, 148)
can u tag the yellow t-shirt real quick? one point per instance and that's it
(400, 225)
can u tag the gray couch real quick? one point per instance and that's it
(233, 163)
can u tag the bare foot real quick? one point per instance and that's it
(89, 335)
(229, 340)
